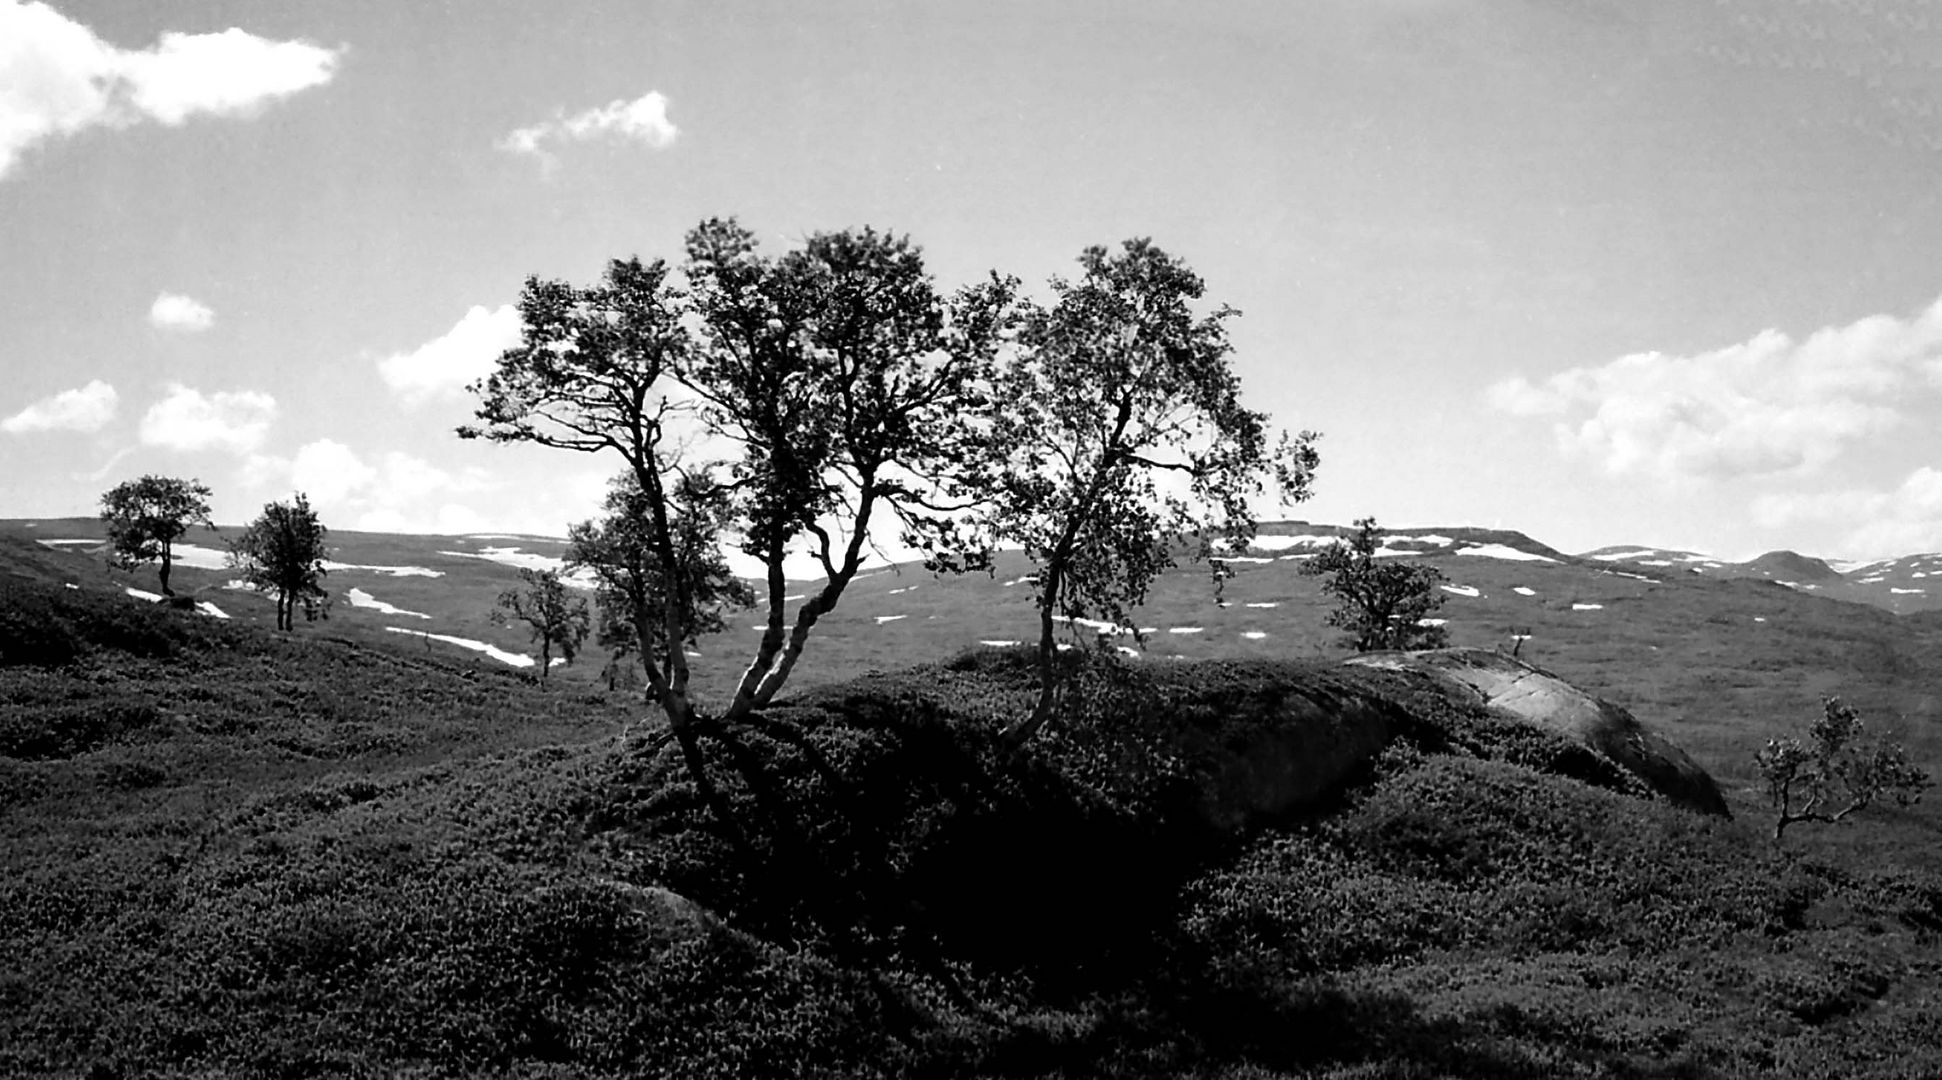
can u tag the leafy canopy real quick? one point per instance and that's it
(282, 552)
(555, 617)
(1382, 602)
(146, 516)
(1116, 441)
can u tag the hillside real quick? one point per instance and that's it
(1901, 585)
(336, 852)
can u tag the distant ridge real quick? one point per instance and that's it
(1420, 540)
(1791, 566)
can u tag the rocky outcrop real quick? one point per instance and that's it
(1517, 690)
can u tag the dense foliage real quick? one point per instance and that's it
(553, 617)
(146, 516)
(1836, 772)
(282, 553)
(1383, 603)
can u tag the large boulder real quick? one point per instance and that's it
(1517, 690)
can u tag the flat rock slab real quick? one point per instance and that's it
(1519, 691)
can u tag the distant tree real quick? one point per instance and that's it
(1836, 772)
(282, 552)
(1382, 602)
(146, 517)
(555, 617)
(835, 381)
(619, 550)
(1117, 440)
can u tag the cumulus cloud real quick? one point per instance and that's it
(395, 492)
(58, 78)
(461, 355)
(86, 408)
(643, 120)
(173, 311)
(1901, 521)
(186, 419)
(1769, 405)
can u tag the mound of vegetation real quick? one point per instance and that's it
(320, 859)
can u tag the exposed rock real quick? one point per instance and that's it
(1320, 741)
(1516, 689)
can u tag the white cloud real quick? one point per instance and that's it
(328, 471)
(398, 493)
(86, 408)
(461, 355)
(185, 419)
(58, 78)
(1769, 405)
(1903, 521)
(644, 120)
(173, 311)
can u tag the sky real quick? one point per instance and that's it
(1623, 272)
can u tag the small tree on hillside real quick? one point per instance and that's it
(619, 550)
(1383, 602)
(835, 380)
(282, 552)
(146, 517)
(556, 618)
(1117, 439)
(1836, 772)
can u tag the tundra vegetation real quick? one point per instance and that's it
(1383, 603)
(282, 553)
(146, 516)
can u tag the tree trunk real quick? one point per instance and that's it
(163, 573)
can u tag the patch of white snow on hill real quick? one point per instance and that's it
(494, 651)
(1522, 591)
(386, 571)
(997, 643)
(1264, 603)
(1505, 551)
(905, 589)
(1655, 562)
(526, 560)
(881, 619)
(1892, 590)
(1263, 559)
(1028, 579)
(70, 585)
(1634, 577)
(1253, 635)
(1126, 650)
(792, 597)
(1098, 626)
(1789, 584)
(360, 598)
(58, 544)
(197, 557)
(211, 610)
(1283, 543)
(1470, 591)
(1295, 558)
(1432, 622)
(1759, 618)
(1587, 607)
(144, 594)
(1386, 551)
(1185, 629)
(1615, 556)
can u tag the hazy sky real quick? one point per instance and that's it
(1604, 272)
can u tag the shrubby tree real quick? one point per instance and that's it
(1382, 602)
(145, 518)
(1836, 771)
(1116, 441)
(816, 397)
(632, 589)
(555, 617)
(282, 552)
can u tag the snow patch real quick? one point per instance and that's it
(905, 589)
(1522, 591)
(1616, 556)
(1185, 629)
(1028, 579)
(1905, 591)
(881, 619)
(998, 643)
(494, 651)
(211, 610)
(1505, 551)
(144, 594)
(1253, 635)
(361, 599)
(1432, 622)
(387, 571)
(1264, 603)
(1587, 607)
(1470, 591)
(526, 560)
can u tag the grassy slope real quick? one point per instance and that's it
(330, 854)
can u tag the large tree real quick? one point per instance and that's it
(145, 517)
(1383, 602)
(282, 552)
(555, 617)
(819, 395)
(1117, 442)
